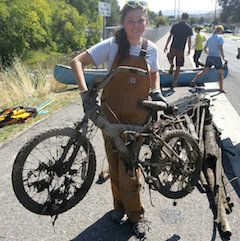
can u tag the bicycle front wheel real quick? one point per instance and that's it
(178, 163)
(38, 179)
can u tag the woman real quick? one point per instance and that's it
(198, 46)
(120, 98)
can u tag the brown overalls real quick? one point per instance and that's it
(120, 105)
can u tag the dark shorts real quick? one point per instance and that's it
(178, 54)
(214, 61)
(197, 55)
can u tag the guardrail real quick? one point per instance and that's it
(154, 34)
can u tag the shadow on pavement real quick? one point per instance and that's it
(174, 238)
(229, 152)
(105, 230)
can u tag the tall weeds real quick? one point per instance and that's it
(20, 85)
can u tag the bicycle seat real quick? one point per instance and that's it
(154, 105)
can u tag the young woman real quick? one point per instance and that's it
(120, 98)
(198, 46)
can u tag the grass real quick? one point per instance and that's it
(21, 86)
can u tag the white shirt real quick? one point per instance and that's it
(105, 51)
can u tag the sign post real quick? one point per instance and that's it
(104, 9)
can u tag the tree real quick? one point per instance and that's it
(68, 28)
(230, 10)
(152, 17)
(192, 20)
(161, 20)
(89, 10)
(43, 25)
(50, 26)
(201, 20)
(21, 28)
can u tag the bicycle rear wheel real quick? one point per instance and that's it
(177, 175)
(37, 177)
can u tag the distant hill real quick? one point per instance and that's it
(195, 13)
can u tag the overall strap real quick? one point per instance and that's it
(143, 51)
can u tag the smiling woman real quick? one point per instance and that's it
(120, 100)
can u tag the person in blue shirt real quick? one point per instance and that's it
(215, 54)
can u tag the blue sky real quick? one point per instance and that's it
(182, 5)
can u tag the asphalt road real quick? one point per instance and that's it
(190, 220)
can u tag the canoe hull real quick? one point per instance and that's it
(64, 74)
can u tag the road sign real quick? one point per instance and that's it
(104, 9)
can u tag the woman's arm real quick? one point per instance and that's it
(155, 91)
(222, 53)
(78, 63)
(155, 81)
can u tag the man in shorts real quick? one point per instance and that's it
(180, 33)
(214, 49)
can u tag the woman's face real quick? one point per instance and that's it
(134, 24)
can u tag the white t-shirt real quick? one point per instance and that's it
(105, 51)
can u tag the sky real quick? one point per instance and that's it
(181, 5)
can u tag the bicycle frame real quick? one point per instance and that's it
(50, 182)
(115, 131)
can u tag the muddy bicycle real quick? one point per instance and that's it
(55, 169)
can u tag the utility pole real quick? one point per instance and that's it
(175, 7)
(178, 9)
(215, 14)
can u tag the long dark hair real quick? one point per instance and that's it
(123, 44)
(121, 36)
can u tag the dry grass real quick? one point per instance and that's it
(20, 86)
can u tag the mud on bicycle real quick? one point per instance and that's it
(55, 169)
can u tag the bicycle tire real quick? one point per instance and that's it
(176, 178)
(35, 183)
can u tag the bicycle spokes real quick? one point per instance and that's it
(178, 161)
(54, 171)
